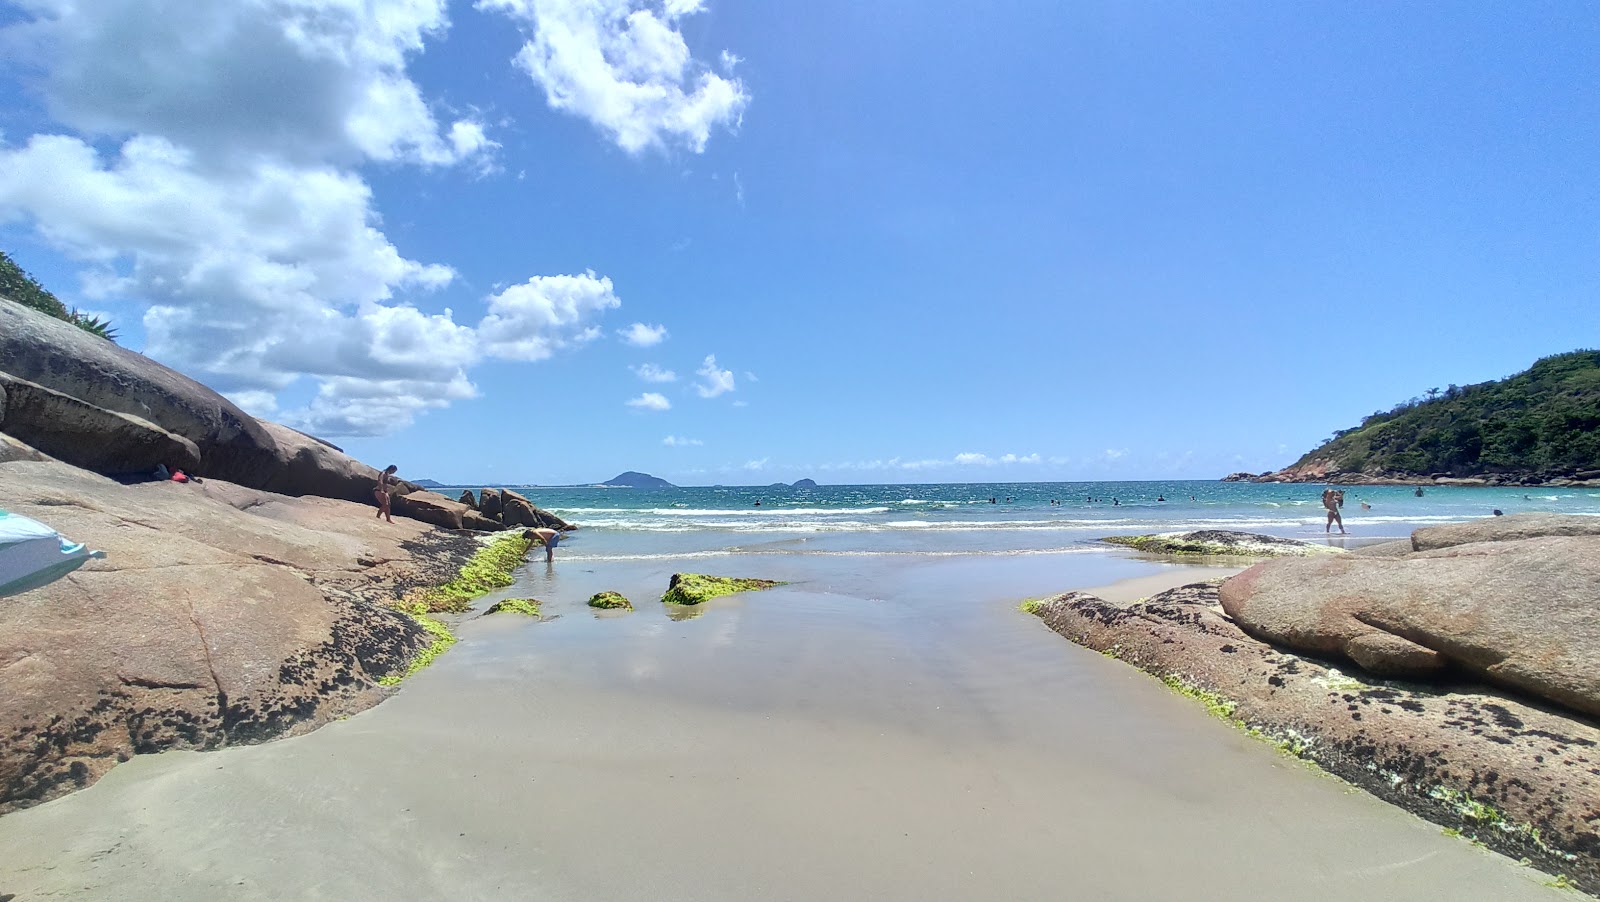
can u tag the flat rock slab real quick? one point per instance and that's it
(1523, 779)
(1221, 543)
(1504, 529)
(220, 615)
(1517, 613)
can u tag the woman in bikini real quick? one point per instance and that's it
(381, 491)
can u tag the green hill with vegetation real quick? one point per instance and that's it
(1541, 424)
(17, 285)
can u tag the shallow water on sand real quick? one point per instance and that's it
(882, 728)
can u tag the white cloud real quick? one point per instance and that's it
(1114, 453)
(751, 376)
(651, 401)
(306, 81)
(531, 320)
(729, 61)
(970, 458)
(649, 372)
(757, 464)
(964, 459)
(624, 66)
(642, 336)
(674, 441)
(713, 381)
(214, 187)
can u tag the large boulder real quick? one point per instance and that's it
(84, 435)
(1501, 529)
(430, 507)
(468, 499)
(1519, 612)
(489, 502)
(65, 359)
(220, 615)
(515, 510)
(310, 466)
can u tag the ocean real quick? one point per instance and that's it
(995, 518)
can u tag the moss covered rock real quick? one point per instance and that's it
(693, 588)
(489, 569)
(528, 606)
(610, 600)
(1221, 542)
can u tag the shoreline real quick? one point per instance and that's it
(1496, 768)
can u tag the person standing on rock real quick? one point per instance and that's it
(1333, 499)
(381, 491)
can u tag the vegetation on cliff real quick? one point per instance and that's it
(17, 285)
(1542, 422)
(490, 568)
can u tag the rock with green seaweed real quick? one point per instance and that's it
(694, 588)
(1220, 543)
(442, 640)
(528, 606)
(610, 601)
(1495, 768)
(489, 568)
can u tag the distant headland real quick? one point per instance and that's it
(1538, 427)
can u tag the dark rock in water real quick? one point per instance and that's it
(1220, 542)
(519, 511)
(804, 484)
(1517, 613)
(1241, 477)
(1514, 775)
(88, 436)
(489, 502)
(635, 480)
(610, 601)
(694, 588)
(467, 498)
(1502, 529)
(529, 607)
(65, 359)
(430, 507)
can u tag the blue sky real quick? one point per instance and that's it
(887, 242)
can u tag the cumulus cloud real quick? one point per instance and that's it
(300, 80)
(675, 441)
(642, 336)
(531, 320)
(713, 381)
(624, 66)
(651, 401)
(649, 372)
(212, 182)
(757, 464)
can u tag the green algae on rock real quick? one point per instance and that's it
(528, 606)
(694, 588)
(488, 569)
(1220, 542)
(442, 640)
(610, 600)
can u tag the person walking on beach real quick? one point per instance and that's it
(550, 538)
(381, 491)
(1333, 499)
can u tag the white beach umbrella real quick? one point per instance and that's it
(33, 555)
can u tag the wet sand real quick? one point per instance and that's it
(878, 730)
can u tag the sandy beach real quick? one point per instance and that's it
(894, 732)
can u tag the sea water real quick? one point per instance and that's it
(957, 519)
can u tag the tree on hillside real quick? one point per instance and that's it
(17, 285)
